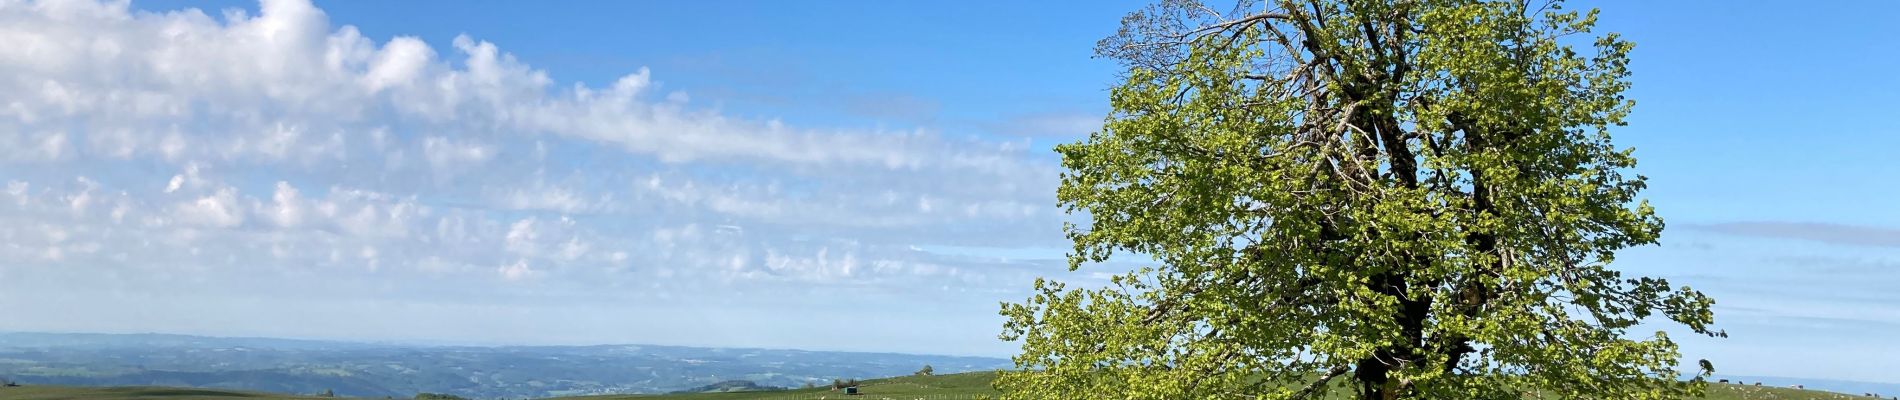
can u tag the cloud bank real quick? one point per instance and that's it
(282, 153)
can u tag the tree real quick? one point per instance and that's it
(327, 393)
(837, 384)
(1406, 199)
(927, 371)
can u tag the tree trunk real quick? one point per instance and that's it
(1374, 373)
(1371, 374)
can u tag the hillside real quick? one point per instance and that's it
(976, 385)
(972, 385)
(730, 386)
(377, 370)
(965, 386)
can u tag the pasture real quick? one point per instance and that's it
(965, 386)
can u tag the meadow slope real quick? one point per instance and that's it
(976, 385)
(965, 386)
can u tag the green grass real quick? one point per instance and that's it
(976, 385)
(1719, 391)
(965, 386)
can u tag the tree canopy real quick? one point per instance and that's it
(1403, 199)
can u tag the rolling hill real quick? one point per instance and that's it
(976, 385)
(375, 370)
(964, 386)
(33, 392)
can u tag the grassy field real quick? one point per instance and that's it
(967, 386)
(976, 385)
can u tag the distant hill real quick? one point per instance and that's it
(250, 367)
(400, 371)
(133, 393)
(43, 340)
(964, 386)
(976, 385)
(730, 386)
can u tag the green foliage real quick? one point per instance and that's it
(840, 384)
(1414, 199)
(438, 396)
(926, 371)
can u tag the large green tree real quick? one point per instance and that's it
(1397, 199)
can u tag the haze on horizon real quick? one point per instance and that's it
(821, 176)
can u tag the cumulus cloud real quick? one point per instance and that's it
(219, 209)
(283, 140)
(447, 155)
(517, 271)
(280, 152)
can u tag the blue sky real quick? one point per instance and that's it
(821, 175)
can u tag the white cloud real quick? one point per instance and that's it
(275, 150)
(573, 249)
(522, 238)
(398, 63)
(218, 209)
(17, 189)
(286, 208)
(372, 258)
(165, 68)
(372, 214)
(548, 198)
(23, 146)
(446, 155)
(517, 271)
(78, 203)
